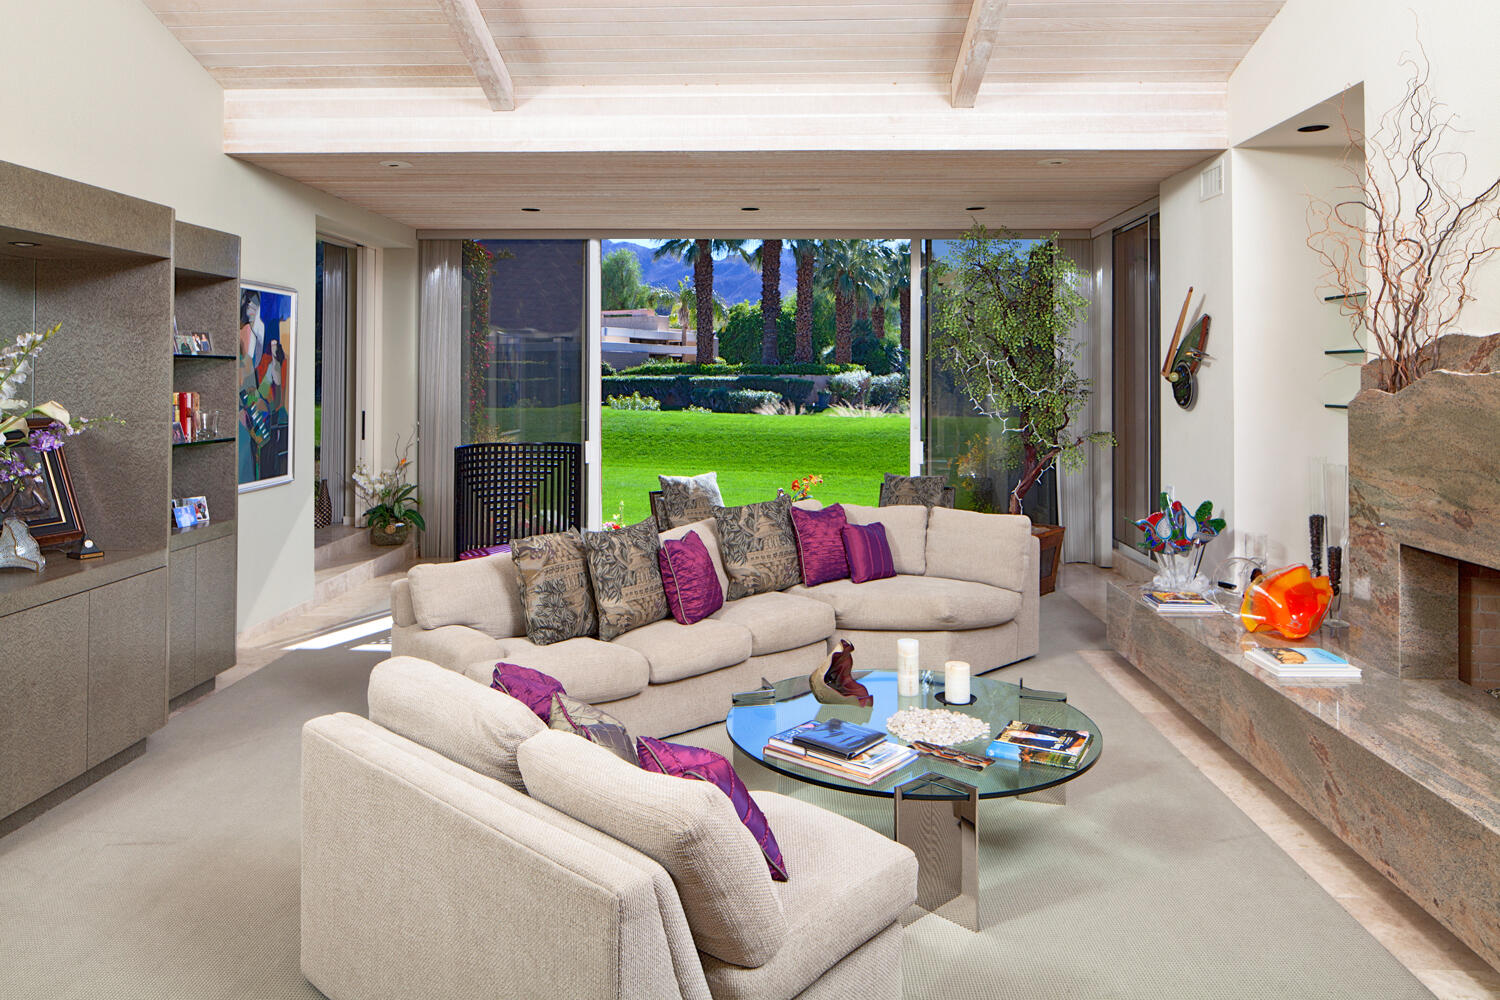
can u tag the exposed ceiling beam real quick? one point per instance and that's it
(974, 51)
(478, 45)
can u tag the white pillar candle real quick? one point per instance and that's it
(908, 670)
(956, 682)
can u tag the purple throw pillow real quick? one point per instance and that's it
(705, 765)
(820, 544)
(869, 552)
(531, 688)
(687, 575)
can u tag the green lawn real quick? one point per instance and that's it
(753, 454)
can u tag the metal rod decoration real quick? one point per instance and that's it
(1335, 566)
(1315, 525)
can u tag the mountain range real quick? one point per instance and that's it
(734, 279)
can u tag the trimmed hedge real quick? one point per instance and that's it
(678, 392)
(888, 390)
(850, 387)
(674, 368)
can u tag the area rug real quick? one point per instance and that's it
(177, 876)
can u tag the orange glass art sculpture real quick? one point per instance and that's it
(1291, 601)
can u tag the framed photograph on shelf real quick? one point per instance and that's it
(184, 344)
(200, 509)
(202, 344)
(267, 344)
(48, 507)
(183, 516)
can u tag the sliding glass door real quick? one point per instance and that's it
(1137, 377)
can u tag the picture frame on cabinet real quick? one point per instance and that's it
(49, 507)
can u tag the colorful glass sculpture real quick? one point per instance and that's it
(1290, 601)
(1173, 529)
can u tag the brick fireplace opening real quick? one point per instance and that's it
(1479, 626)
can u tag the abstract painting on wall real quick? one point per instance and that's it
(268, 321)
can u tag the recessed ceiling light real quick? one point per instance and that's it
(974, 208)
(395, 164)
(23, 243)
(531, 209)
(1052, 161)
(749, 208)
(1313, 128)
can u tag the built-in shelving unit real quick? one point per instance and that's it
(1349, 354)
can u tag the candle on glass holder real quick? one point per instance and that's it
(956, 683)
(908, 673)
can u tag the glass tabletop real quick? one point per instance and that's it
(996, 702)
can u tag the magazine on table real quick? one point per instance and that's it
(1034, 743)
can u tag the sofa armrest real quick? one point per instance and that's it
(402, 611)
(1029, 618)
(418, 884)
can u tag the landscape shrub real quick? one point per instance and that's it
(648, 368)
(889, 390)
(849, 387)
(748, 400)
(634, 401)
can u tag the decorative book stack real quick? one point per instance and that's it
(1180, 603)
(1302, 663)
(841, 749)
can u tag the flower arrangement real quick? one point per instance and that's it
(802, 488)
(393, 501)
(18, 476)
(1178, 538)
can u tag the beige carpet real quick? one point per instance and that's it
(177, 876)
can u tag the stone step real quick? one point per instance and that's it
(357, 564)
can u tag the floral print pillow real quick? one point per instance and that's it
(627, 581)
(759, 547)
(555, 592)
(924, 490)
(690, 498)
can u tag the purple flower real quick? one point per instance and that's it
(49, 438)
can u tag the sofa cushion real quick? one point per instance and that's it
(759, 547)
(779, 621)
(688, 827)
(699, 764)
(820, 544)
(924, 490)
(676, 651)
(590, 670)
(555, 587)
(569, 715)
(868, 551)
(708, 530)
(916, 603)
(531, 688)
(686, 499)
(625, 577)
(481, 593)
(905, 532)
(831, 907)
(688, 578)
(984, 548)
(450, 714)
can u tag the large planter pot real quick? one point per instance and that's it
(394, 533)
(1051, 537)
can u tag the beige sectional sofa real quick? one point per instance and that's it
(452, 846)
(966, 588)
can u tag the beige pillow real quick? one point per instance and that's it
(981, 548)
(688, 827)
(686, 499)
(555, 588)
(484, 594)
(448, 713)
(905, 532)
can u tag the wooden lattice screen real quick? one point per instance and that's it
(510, 490)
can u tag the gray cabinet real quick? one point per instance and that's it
(127, 663)
(203, 610)
(43, 699)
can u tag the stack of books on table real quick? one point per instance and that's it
(1034, 743)
(1179, 603)
(1302, 663)
(841, 749)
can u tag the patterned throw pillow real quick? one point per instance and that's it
(759, 547)
(688, 577)
(555, 588)
(627, 582)
(869, 552)
(531, 688)
(690, 498)
(579, 717)
(924, 490)
(706, 765)
(820, 544)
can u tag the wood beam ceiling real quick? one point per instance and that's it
(980, 35)
(478, 45)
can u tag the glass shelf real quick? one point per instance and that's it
(194, 444)
(1345, 350)
(1335, 406)
(1340, 298)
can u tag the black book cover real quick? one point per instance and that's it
(840, 738)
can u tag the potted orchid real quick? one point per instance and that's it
(27, 430)
(393, 501)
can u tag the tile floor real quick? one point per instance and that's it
(1443, 963)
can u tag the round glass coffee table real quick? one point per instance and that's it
(935, 800)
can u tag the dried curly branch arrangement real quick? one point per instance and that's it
(1406, 234)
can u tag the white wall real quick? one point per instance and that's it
(99, 91)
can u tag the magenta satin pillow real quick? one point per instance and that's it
(531, 688)
(687, 575)
(869, 552)
(820, 544)
(705, 765)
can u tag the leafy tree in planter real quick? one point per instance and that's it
(1003, 312)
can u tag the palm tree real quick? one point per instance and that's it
(766, 258)
(805, 253)
(683, 303)
(835, 257)
(872, 276)
(700, 254)
(901, 285)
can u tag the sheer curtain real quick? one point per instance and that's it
(438, 372)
